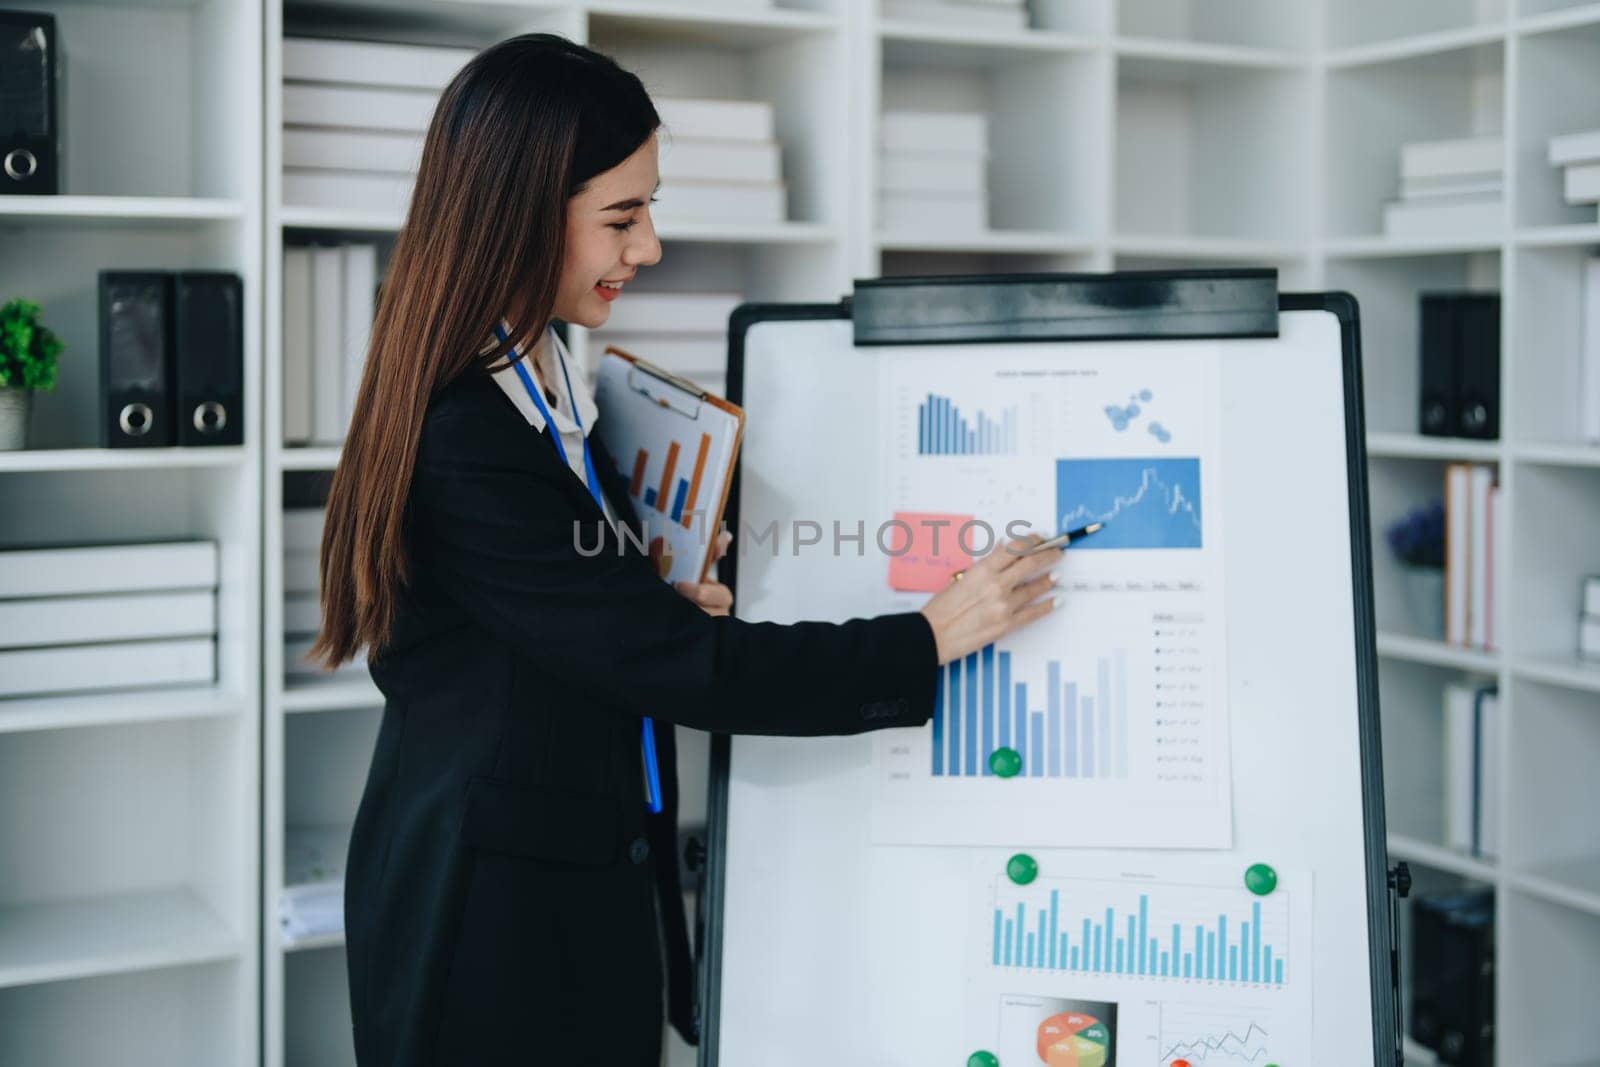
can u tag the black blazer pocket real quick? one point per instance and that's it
(541, 823)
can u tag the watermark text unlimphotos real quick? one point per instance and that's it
(836, 537)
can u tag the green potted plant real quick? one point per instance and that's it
(28, 352)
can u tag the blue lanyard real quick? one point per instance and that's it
(652, 769)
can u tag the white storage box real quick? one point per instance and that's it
(408, 110)
(125, 665)
(371, 63)
(79, 620)
(316, 148)
(716, 120)
(108, 569)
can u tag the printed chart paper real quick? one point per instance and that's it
(1114, 704)
(1091, 968)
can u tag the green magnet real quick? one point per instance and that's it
(1260, 879)
(1022, 868)
(983, 1059)
(1005, 762)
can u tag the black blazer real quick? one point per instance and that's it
(504, 877)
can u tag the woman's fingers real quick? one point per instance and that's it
(1029, 591)
(1033, 612)
(1028, 567)
(1009, 554)
(714, 597)
(724, 539)
(998, 595)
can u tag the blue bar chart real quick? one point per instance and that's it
(1184, 933)
(1063, 728)
(942, 430)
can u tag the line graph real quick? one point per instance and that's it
(1199, 1034)
(1146, 503)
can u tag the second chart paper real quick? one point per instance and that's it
(1115, 703)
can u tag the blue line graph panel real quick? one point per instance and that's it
(1145, 503)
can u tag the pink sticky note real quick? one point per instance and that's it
(934, 554)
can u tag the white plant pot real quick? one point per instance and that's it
(14, 407)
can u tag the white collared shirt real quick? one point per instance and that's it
(555, 366)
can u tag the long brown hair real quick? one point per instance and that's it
(523, 126)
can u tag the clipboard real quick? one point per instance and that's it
(676, 445)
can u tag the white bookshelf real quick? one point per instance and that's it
(1527, 70)
(1139, 134)
(129, 892)
(143, 889)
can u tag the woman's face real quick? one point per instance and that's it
(609, 237)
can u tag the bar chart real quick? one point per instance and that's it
(661, 489)
(942, 430)
(1066, 728)
(1137, 930)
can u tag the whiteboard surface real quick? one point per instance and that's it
(835, 947)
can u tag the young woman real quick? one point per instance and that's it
(508, 894)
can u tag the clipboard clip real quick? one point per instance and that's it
(681, 395)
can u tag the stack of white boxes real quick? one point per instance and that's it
(1579, 153)
(107, 617)
(973, 14)
(302, 597)
(1449, 188)
(329, 296)
(354, 114)
(933, 172)
(684, 333)
(720, 161)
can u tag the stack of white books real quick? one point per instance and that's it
(329, 297)
(684, 333)
(720, 161)
(933, 172)
(1579, 153)
(1449, 188)
(302, 597)
(312, 902)
(354, 114)
(107, 617)
(973, 14)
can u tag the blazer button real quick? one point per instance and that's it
(638, 850)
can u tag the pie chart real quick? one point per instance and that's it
(1072, 1039)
